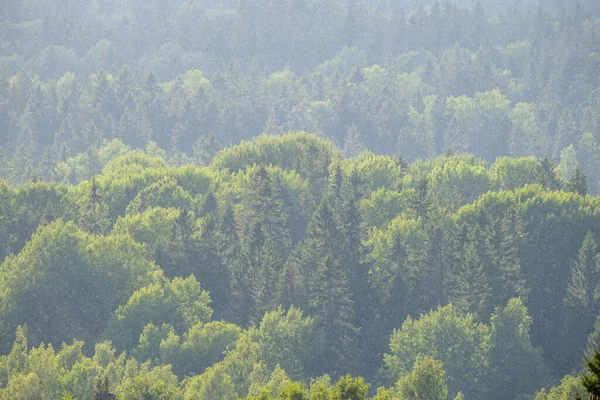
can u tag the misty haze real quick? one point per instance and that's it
(299, 199)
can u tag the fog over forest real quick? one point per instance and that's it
(299, 199)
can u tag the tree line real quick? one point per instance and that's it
(420, 82)
(282, 261)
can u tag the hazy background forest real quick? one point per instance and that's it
(168, 229)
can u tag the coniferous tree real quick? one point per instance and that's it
(328, 289)
(183, 245)
(210, 267)
(582, 294)
(582, 289)
(545, 175)
(331, 302)
(94, 215)
(471, 287)
(420, 203)
(591, 380)
(565, 130)
(353, 144)
(102, 390)
(577, 183)
(511, 275)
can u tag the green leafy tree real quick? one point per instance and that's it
(512, 355)
(459, 342)
(425, 381)
(180, 303)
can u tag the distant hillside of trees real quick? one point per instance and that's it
(196, 76)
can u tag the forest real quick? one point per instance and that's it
(299, 199)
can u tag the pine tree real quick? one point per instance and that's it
(264, 267)
(582, 293)
(24, 154)
(583, 287)
(353, 145)
(182, 245)
(577, 183)
(94, 215)
(235, 260)
(545, 175)
(513, 236)
(394, 305)
(591, 380)
(420, 203)
(436, 263)
(327, 285)
(210, 267)
(102, 390)
(566, 130)
(471, 287)
(331, 303)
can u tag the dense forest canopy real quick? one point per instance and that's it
(299, 199)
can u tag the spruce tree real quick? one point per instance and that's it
(582, 294)
(512, 235)
(102, 390)
(591, 380)
(420, 203)
(471, 287)
(328, 288)
(545, 175)
(577, 183)
(94, 213)
(583, 287)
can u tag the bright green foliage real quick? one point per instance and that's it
(290, 340)
(306, 153)
(424, 382)
(84, 165)
(164, 193)
(324, 256)
(511, 173)
(150, 342)
(376, 172)
(202, 346)
(212, 384)
(71, 281)
(124, 177)
(320, 388)
(570, 388)
(458, 181)
(512, 353)
(142, 382)
(128, 165)
(180, 303)
(460, 343)
(348, 388)
(383, 206)
(293, 391)
(385, 394)
(265, 385)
